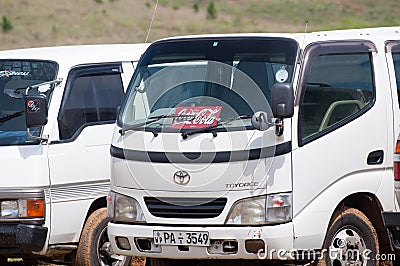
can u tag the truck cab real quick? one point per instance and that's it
(57, 109)
(258, 147)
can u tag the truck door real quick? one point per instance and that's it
(342, 134)
(393, 62)
(79, 161)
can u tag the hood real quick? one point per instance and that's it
(23, 166)
(237, 160)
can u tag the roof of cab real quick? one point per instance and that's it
(79, 54)
(379, 33)
(236, 35)
(304, 39)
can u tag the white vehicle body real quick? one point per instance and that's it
(334, 156)
(66, 172)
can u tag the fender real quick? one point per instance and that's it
(311, 223)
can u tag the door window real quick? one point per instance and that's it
(395, 49)
(337, 87)
(92, 97)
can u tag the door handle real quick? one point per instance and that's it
(375, 157)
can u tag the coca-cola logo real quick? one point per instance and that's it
(33, 106)
(196, 117)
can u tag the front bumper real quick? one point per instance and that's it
(16, 238)
(275, 238)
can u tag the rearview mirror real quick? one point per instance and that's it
(36, 110)
(282, 100)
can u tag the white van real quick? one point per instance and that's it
(258, 146)
(55, 172)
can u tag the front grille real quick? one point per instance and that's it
(189, 208)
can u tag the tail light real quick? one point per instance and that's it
(396, 164)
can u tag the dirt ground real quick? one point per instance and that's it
(138, 261)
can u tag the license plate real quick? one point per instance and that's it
(185, 238)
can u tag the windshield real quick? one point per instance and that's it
(16, 76)
(201, 83)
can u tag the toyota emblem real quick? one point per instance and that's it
(181, 177)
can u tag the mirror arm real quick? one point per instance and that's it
(261, 121)
(45, 138)
(279, 127)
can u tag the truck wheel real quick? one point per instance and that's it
(351, 240)
(94, 248)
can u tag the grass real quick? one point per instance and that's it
(48, 23)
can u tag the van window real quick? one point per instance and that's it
(92, 97)
(396, 62)
(336, 88)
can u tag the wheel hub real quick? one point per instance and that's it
(105, 254)
(347, 249)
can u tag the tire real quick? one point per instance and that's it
(352, 235)
(94, 247)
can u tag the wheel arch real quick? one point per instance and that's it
(371, 207)
(96, 204)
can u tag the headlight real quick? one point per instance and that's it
(31, 208)
(9, 209)
(248, 212)
(270, 209)
(124, 209)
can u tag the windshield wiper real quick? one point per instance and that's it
(150, 120)
(10, 116)
(206, 129)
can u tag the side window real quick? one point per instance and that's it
(92, 96)
(396, 62)
(337, 87)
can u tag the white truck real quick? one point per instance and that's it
(259, 146)
(57, 110)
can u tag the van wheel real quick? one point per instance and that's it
(94, 247)
(351, 240)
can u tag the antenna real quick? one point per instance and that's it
(306, 27)
(151, 23)
(305, 31)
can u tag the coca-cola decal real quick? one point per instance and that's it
(33, 106)
(196, 117)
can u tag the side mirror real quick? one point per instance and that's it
(36, 110)
(282, 100)
(260, 121)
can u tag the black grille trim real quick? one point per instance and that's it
(186, 208)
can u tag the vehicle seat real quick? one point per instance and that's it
(339, 110)
(242, 87)
(257, 71)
